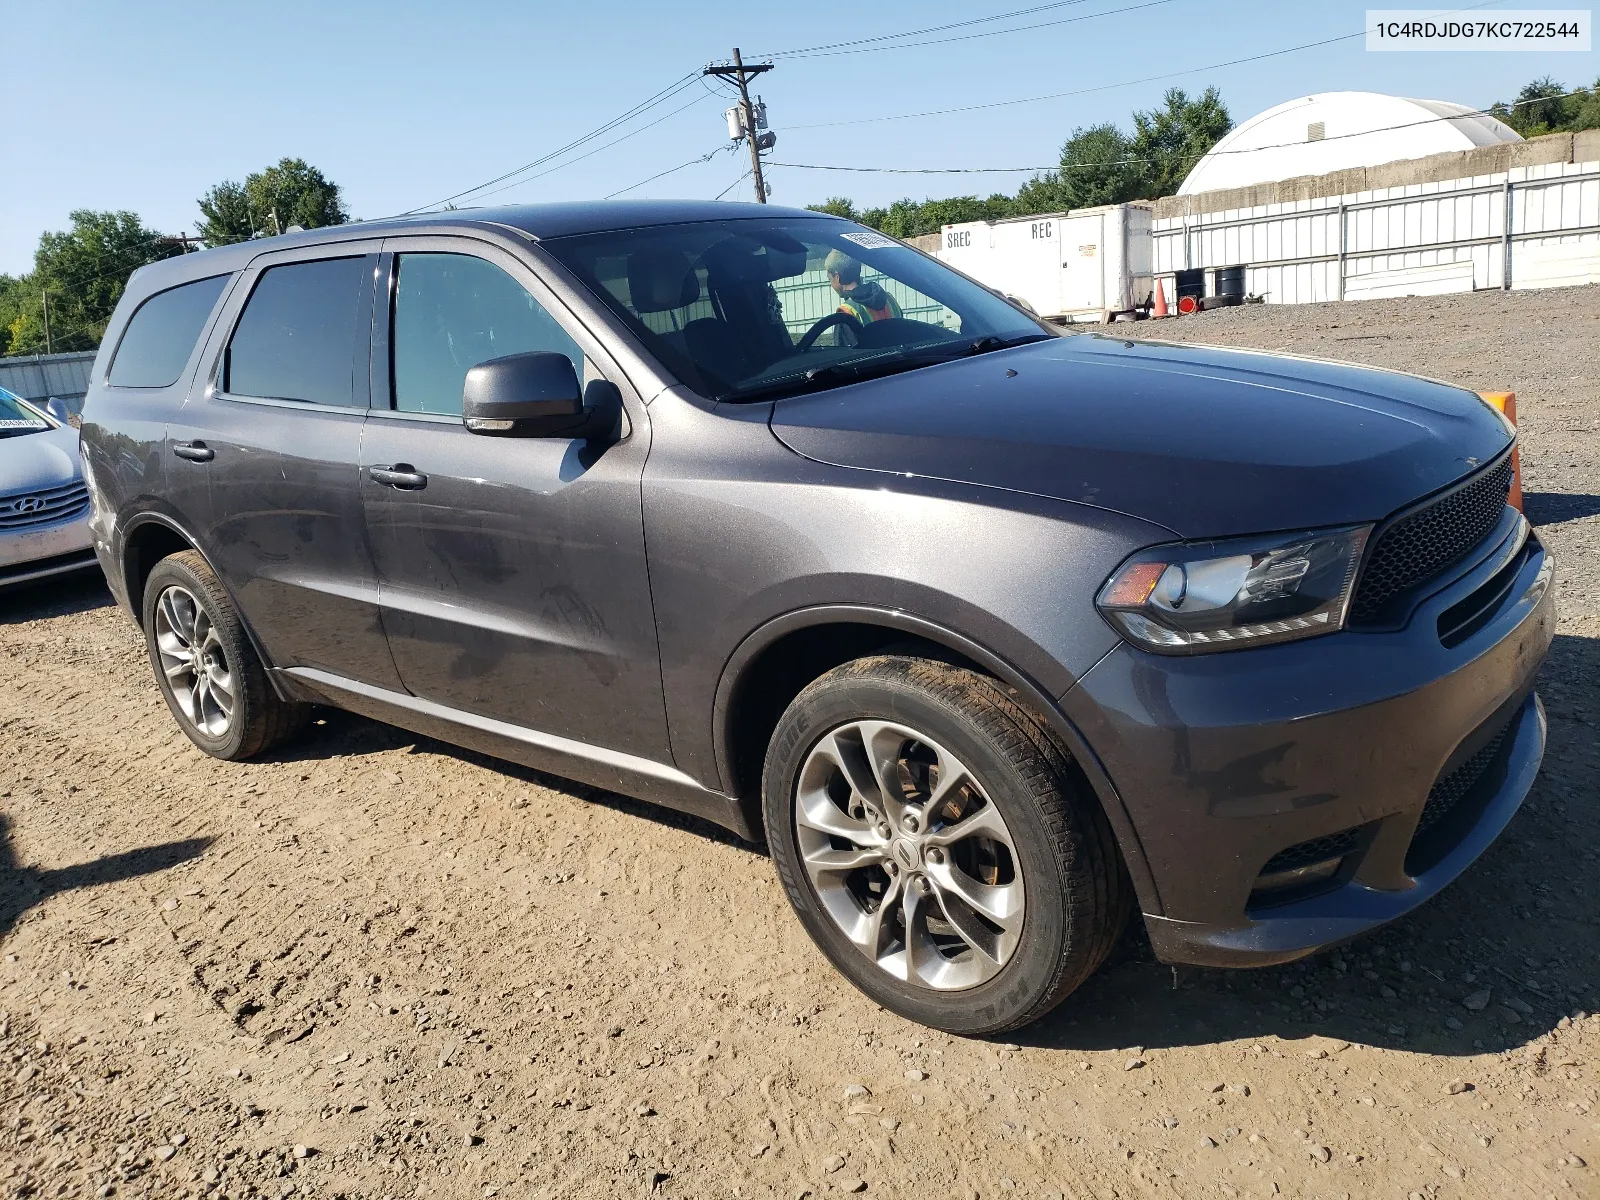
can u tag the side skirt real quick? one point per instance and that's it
(628, 774)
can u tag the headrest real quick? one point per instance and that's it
(758, 258)
(659, 280)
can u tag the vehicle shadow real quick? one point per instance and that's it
(23, 887)
(337, 733)
(1553, 508)
(1517, 932)
(1495, 961)
(60, 597)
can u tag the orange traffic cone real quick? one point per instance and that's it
(1506, 402)
(1159, 307)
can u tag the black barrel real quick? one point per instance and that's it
(1230, 284)
(1190, 282)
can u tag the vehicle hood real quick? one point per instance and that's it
(38, 460)
(1206, 441)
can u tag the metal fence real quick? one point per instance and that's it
(1525, 228)
(40, 376)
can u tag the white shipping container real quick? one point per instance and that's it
(1086, 265)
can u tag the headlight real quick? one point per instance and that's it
(1198, 596)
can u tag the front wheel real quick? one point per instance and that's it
(938, 846)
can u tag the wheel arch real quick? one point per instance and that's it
(153, 536)
(147, 540)
(776, 661)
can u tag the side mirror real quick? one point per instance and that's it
(58, 409)
(536, 394)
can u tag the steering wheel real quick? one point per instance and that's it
(808, 339)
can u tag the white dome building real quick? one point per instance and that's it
(1335, 130)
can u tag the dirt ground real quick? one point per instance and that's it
(374, 966)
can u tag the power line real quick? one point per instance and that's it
(1105, 87)
(743, 175)
(592, 153)
(920, 170)
(889, 37)
(1126, 162)
(665, 94)
(967, 37)
(704, 158)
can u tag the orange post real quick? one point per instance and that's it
(1506, 402)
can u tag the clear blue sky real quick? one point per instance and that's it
(144, 106)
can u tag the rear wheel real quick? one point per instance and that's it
(936, 843)
(208, 671)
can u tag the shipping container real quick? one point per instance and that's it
(1091, 264)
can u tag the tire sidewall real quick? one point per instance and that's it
(170, 571)
(999, 1003)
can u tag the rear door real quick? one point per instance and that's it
(512, 570)
(276, 433)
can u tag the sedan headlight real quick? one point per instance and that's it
(1199, 596)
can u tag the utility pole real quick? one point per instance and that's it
(45, 296)
(742, 75)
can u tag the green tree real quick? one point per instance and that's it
(84, 270)
(1546, 106)
(1169, 140)
(1096, 168)
(293, 192)
(11, 293)
(837, 206)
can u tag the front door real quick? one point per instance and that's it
(511, 570)
(276, 435)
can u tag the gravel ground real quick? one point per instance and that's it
(376, 966)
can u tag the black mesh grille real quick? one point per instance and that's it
(1449, 789)
(1333, 845)
(1418, 546)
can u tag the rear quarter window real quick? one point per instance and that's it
(162, 334)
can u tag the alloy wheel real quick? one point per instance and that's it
(908, 855)
(194, 662)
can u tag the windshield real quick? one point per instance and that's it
(741, 309)
(18, 417)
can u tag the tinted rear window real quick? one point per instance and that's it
(303, 332)
(162, 333)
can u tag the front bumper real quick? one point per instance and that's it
(1226, 761)
(34, 553)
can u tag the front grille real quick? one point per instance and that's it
(44, 506)
(1448, 790)
(1418, 546)
(1333, 845)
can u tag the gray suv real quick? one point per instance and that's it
(990, 634)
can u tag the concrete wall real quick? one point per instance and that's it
(1457, 164)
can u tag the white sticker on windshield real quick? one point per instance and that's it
(870, 241)
(23, 424)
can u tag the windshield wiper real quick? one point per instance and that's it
(835, 374)
(992, 342)
(878, 365)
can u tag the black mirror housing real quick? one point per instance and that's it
(536, 394)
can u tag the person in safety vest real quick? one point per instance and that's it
(866, 302)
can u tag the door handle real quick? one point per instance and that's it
(194, 451)
(400, 476)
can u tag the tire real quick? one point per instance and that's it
(229, 708)
(1038, 856)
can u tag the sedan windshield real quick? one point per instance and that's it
(18, 417)
(750, 309)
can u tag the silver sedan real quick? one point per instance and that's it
(44, 505)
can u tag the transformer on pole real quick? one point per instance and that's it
(747, 121)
